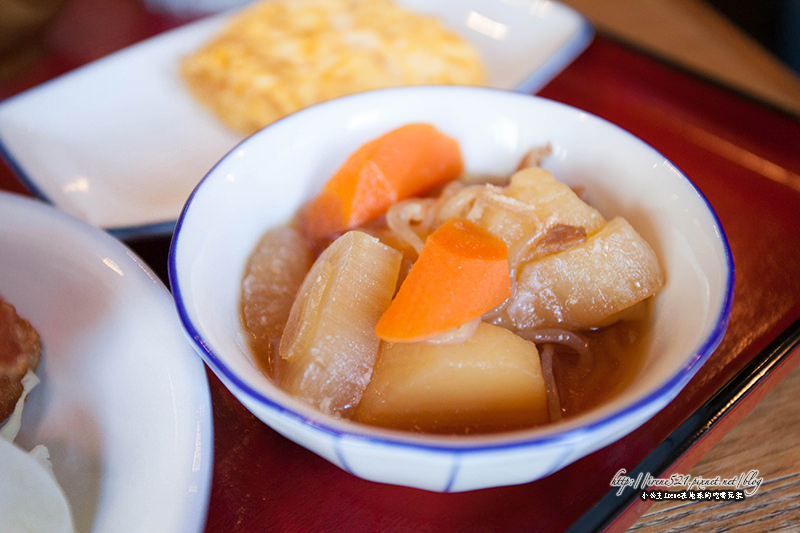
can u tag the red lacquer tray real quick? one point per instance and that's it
(740, 153)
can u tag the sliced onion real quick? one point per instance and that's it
(457, 335)
(400, 216)
(563, 337)
(494, 196)
(518, 252)
(553, 401)
(460, 203)
(535, 157)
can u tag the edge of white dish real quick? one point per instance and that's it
(123, 404)
(127, 160)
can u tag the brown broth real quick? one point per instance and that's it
(617, 356)
(264, 351)
(617, 353)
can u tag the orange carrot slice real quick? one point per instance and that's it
(402, 163)
(461, 273)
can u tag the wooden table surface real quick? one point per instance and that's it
(767, 440)
(694, 35)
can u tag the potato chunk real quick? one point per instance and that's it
(583, 286)
(491, 382)
(328, 347)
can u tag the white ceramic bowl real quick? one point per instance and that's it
(262, 182)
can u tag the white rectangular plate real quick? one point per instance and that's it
(120, 142)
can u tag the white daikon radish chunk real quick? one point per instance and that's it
(328, 347)
(491, 382)
(273, 274)
(582, 287)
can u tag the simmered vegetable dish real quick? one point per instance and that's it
(408, 294)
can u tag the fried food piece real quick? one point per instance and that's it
(20, 351)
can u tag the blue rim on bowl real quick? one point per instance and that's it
(523, 438)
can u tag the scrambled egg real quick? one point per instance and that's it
(279, 56)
